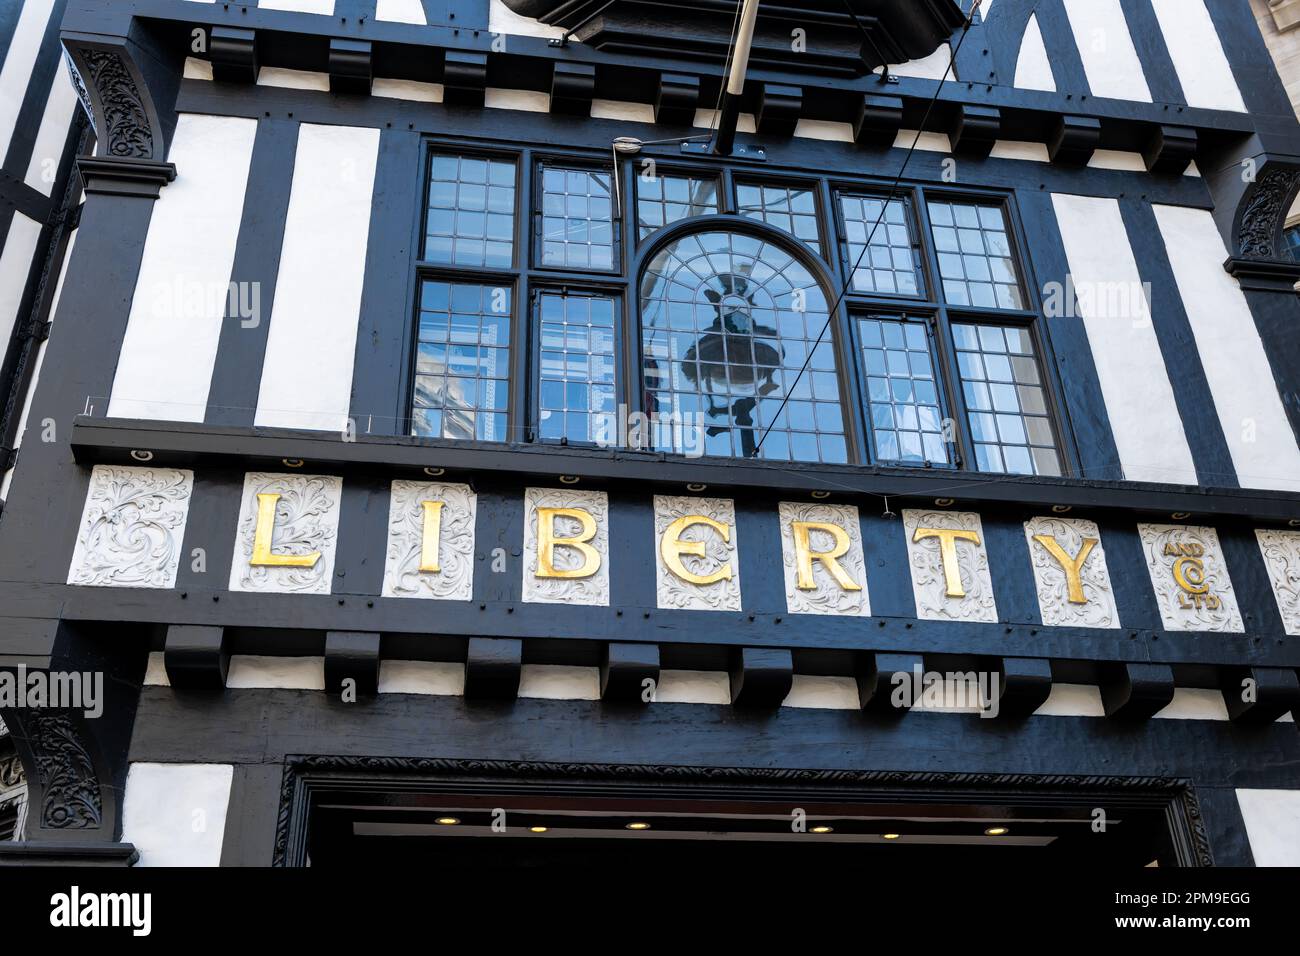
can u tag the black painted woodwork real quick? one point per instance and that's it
(1171, 150)
(234, 55)
(624, 670)
(350, 68)
(975, 130)
(492, 668)
(1025, 683)
(196, 658)
(1136, 691)
(1260, 695)
(1074, 140)
(354, 656)
(760, 676)
(464, 78)
(878, 120)
(778, 109)
(677, 98)
(572, 87)
(879, 675)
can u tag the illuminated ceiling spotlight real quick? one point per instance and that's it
(823, 829)
(890, 836)
(638, 825)
(447, 821)
(538, 829)
(996, 831)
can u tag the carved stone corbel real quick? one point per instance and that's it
(112, 76)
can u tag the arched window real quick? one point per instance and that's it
(728, 320)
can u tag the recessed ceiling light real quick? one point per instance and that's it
(448, 821)
(538, 829)
(890, 836)
(823, 829)
(638, 826)
(995, 831)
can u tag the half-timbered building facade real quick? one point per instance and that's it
(471, 430)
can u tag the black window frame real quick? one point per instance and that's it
(528, 276)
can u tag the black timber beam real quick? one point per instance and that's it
(1074, 140)
(629, 672)
(493, 666)
(196, 658)
(1136, 691)
(572, 87)
(760, 676)
(350, 66)
(464, 78)
(352, 656)
(1024, 684)
(233, 54)
(879, 676)
(975, 130)
(676, 99)
(878, 120)
(1171, 150)
(1260, 695)
(779, 108)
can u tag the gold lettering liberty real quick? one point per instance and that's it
(547, 542)
(263, 556)
(430, 536)
(805, 555)
(672, 547)
(948, 538)
(1071, 566)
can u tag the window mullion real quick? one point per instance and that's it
(520, 423)
(845, 342)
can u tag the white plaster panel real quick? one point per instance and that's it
(1254, 421)
(440, 678)
(20, 61)
(1272, 819)
(693, 687)
(1014, 149)
(932, 67)
(623, 110)
(132, 527)
(307, 372)
(400, 11)
(929, 582)
(1195, 703)
(1197, 549)
(454, 581)
(824, 129)
(529, 101)
(1033, 68)
(1072, 700)
(175, 814)
(1144, 418)
(672, 591)
(503, 20)
(1052, 583)
(53, 132)
(823, 693)
(1281, 551)
(407, 90)
(1110, 60)
(155, 671)
(196, 69)
(930, 142)
(559, 682)
(1199, 59)
(708, 119)
(591, 590)
(1117, 159)
(256, 671)
(293, 79)
(164, 370)
(306, 522)
(15, 266)
(828, 597)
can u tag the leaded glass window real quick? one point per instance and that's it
(577, 218)
(727, 323)
(471, 211)
(462, 361)
(903, 391)
(891, 266)
(665, 198)
(1005, 400)
(792, 209)
(975, 258)
(576, 398)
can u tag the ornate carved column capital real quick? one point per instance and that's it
(1260, 259)
(122, 88)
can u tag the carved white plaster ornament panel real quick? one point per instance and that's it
(446, 572)
(1281, 550)
(957, 587)
(705, 571)
(132, 527)
(1074, 587)
(304, 531)
(566, 562)
(1190, 578)
(833, 560)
